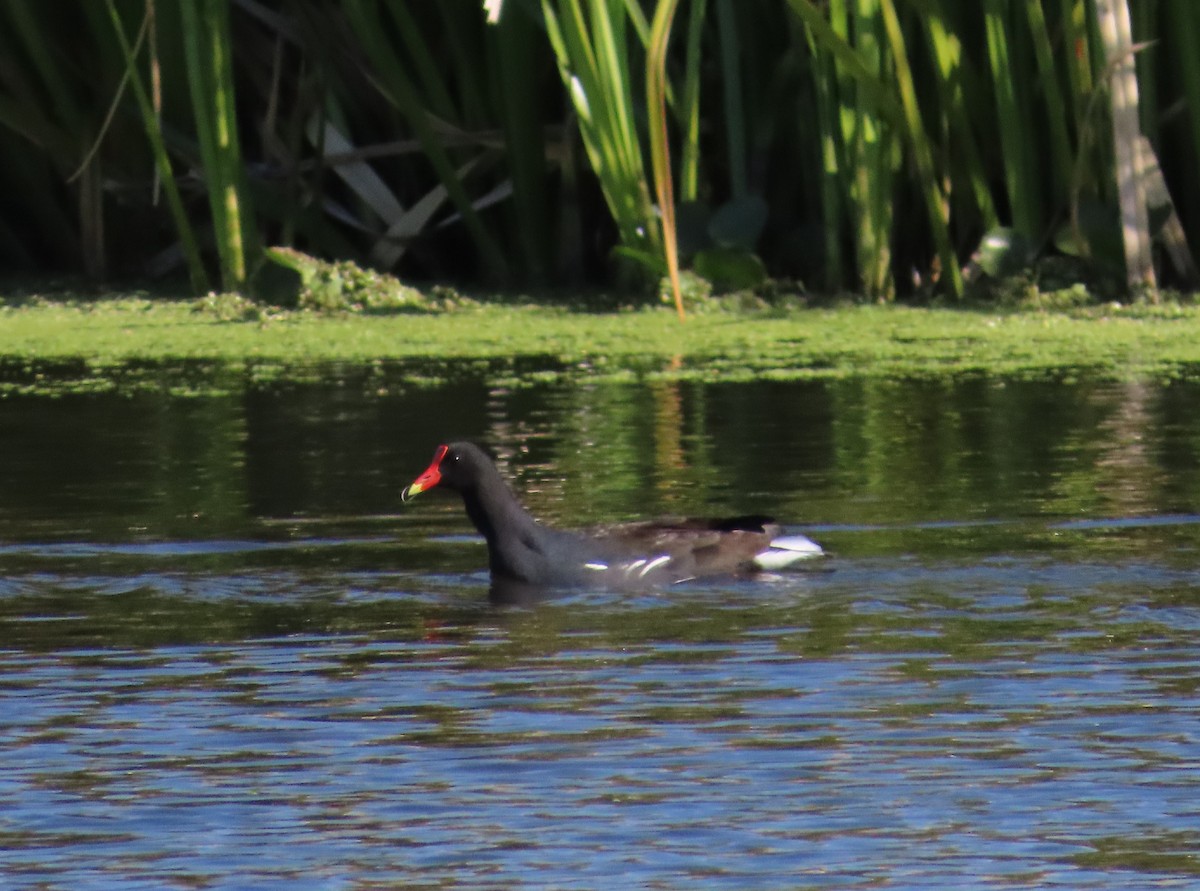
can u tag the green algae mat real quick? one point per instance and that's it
(73, 344)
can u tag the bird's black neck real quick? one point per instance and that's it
(511, 532)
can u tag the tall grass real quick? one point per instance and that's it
(873, 145)
(595, 44)
(921, 151)
(660, 153)
(862, 120)
(207, 46)
(414, 83)
(50, 118)
(166, 175)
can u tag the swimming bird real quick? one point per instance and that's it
(523, 551)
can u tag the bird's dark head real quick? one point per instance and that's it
(457, 465)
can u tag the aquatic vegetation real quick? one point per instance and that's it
(306, 282)
(217, 341)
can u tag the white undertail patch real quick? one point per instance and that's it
(787, 551)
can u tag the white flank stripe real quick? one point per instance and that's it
(634, 567)
(599, 567)
(657, 561)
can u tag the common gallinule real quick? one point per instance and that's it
(646, 554)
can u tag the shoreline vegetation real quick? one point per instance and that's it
(989, 177)
(882, 148)
(224, 342)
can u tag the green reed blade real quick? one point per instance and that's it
(948, 58)
(828, 126)
(1073, 20)
(428, 74)
(1146, 21)
(867, 113)
(187, 237)
(206, 43)
(731, 95)
(591, 54)
(923, 154)
(876, 155)
(689, 114)
(874, 90)
(612, 54)
(660, 154)
(1183, 18)
(395, 84)
(1024, 187)
(514, 58)
(1056, 113)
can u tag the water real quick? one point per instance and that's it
(229, 659)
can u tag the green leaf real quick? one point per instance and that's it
(651, 260)
(730, 269)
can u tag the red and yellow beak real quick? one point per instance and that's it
(427, 480)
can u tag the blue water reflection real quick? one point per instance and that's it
(981, 692)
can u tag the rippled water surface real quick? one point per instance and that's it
(230, 659)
